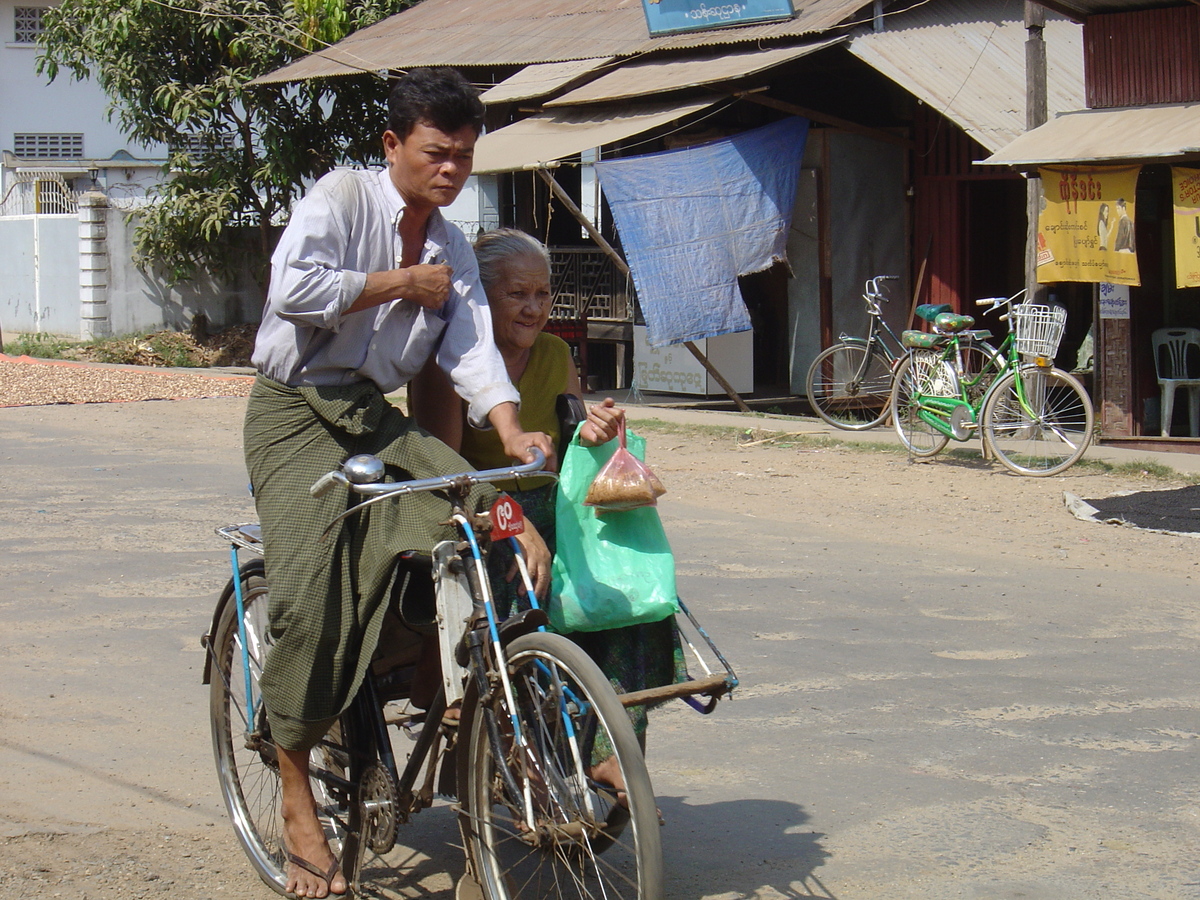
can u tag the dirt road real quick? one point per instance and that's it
(951, 687)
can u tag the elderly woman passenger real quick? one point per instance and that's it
(515, 271)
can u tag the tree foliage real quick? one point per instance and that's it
(177, 72)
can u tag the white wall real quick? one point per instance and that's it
(40, 293)
(29, 103)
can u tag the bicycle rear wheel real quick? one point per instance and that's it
(920, 373)
(582, 842)
(848, 386)
(1049, 432)
(247, 764)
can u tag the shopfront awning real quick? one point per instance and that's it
(642, 78)
(540, 79)
(1146, 134)
(551, 136)
(966, 59)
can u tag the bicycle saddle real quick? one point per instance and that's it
(930, 311)
(952, 323)
(570, 411)
(923, 340)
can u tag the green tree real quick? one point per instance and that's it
(178, 73)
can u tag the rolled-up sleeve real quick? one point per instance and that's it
(310, 285)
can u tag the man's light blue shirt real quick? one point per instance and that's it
(342, 230)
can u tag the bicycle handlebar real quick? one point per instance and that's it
(995, 302)
(873, 294)
(351, 469)
(365, 466)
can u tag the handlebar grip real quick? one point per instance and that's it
(324, 484)
(990, 301)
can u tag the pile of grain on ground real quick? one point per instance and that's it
(40, 384)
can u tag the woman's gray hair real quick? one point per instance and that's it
(495, 248)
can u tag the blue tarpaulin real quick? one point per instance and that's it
(692, 220)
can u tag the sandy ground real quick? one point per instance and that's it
(91, 812)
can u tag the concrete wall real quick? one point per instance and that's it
(39, 284)
(45, 298)
(141, 302)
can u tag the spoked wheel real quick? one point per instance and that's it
(1046, 434)
(921, 373)
(247, 764)
(848, 386)
(536, 824)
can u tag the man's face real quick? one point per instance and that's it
(430, 166)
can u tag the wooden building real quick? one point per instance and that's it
(1143, 110)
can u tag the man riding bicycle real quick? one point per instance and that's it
(367, 283)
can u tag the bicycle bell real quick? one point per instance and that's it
(363, 469)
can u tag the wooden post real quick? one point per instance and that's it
(1035, 115)
(620, 263)
(574, 210)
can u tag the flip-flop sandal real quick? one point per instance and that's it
(621, 804)
(313, 870)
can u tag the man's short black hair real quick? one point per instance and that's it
(440, 97)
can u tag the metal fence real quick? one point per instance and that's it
(35, 193)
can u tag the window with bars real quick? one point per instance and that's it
(27, 24)
(48, 146)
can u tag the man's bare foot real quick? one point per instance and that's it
(312, 869)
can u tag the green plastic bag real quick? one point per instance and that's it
(610, 569)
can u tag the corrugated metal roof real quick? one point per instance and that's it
(966, 59)
(540, 79)
(640, 78)
(549, 136)
(1167, 133)
(468, 33)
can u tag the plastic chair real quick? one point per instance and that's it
(1171, 356)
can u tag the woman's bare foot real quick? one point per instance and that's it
(608, 772)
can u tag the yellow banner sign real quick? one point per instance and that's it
(1185, 188)
(1085, 228)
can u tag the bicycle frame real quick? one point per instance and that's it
(957, 417)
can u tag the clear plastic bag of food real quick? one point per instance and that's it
(625, 482)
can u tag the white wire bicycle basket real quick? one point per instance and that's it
(1037, 329)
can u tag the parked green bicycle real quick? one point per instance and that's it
(849, 384)
(1035, 418)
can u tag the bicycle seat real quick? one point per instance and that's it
(930, 311)
(978, 334)
(923, 340)
(952, 323)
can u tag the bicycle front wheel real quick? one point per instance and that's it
(921, 373)
(848, 386)
(537, 825)
(1049, 431)
(247, 763)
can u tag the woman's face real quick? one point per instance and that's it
(520, 301)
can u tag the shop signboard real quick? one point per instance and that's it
(1086, 225)
(1185, 189)
(672, 16)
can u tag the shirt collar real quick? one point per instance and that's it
(435, 229)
